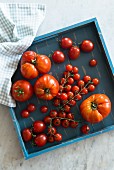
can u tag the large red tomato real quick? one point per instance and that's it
(33, 63)
(95, 108)
(46, 87)
(22, 90)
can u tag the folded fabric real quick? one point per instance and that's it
(18, 27)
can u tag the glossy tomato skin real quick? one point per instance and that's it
(58, 57)
(39, 126)
(25, 114)
(85, 129)
(27, 135)
(93, 62)
(87, 46)
(46, 87)
(22, 90)
(95, 108)
(74, 52)
(40, 140)
(44, 109)
(31, 107)
(66, 43)
(47, 119)
(58, 137)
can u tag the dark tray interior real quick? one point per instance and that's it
(101, 71)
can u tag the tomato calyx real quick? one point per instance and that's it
(33, 62)
(93, 106)
(19, 91)
(47, 91)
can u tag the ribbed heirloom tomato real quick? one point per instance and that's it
(46, 87)
(95, 108)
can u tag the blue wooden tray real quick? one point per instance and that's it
(47, 43)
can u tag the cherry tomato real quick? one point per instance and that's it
(64, 96)
(75, 89)
(84, 90)
(58, 95)
(75, 70)
(91, 87)
(72, 102)
(67, 87)
(39, 126)
(67, 108)
(69, 67)
(56, 122)
(50, 139)
(53, 113)
(66, 74)
(70, 94)
(80, 83)
(58, 137)
(87, 46)
(87, 78)
(95, 81)
(31, 107)
(70, 80)
(61, 88)
(40, 140)
(73, 124)
(78, 97)
(66, 43)
(85, 129)
(93, 62)
(52, 130)
(62, 114)
(43, 109)
(27, 135)
(56, 102)
(63, 81)
(65, 123)
(58, 57)
(70, 116)
(25, 113)
(74, 52)
(21, 90)
(47, 119)
(76, 76)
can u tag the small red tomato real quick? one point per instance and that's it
(70, 94)
(47, 119)
(58, 95)
(66, 74)
(40, 140)
(76, 76)
(27, 135)
(25, 113)
(58, 137)
(74, 52)
(56, 102)
(70, 116)
(31, 107)
(53, 113)
(69, 67)
(64, 101)
(80, 83)
(52, 130)
(75, 89)
(95, 81)
(86, 78)
(85, 129)
(67, 87)
(93, 62)
(91, 87)
(65, 123)
(75, 70)
(67, 108)
(70, 80)
(64, 96)
(78, 97)
(61, 88)
(63, 81)
(58, 57)
(56, 122)
(87, 46)
(43, 109)
(39, 126)
(73, 124)
(50, 139)
(62, 114)
(66, 43)
(72, 102)
(84, 90)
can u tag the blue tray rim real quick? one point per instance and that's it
(16, 125)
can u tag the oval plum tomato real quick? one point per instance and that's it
(58, 137)
(25, 113)
(31, 107)
(91, 87)
(75, 70)
(70, 80)
(85, 129)
(27, 135)
(56, 122)
(46, 87)
(61, 114)
(86, 78)
(75, 89)
(69, 67)
(95, 81)
(66, 43)
(87, 46)
(38, 126)
(95, 108)
(93, 62)
(50, 139)
(47, 119)
(53, 113)
(58, 57)
(21, 90)
(73, 124)
(56, 102)
(74, 52)
(40, 140)
(70, 116)
(67, 87)
(64, 96)
(65, 123)
(80, 83)
(43, 109)
(67, 108)
(52, 130)
(76, 76)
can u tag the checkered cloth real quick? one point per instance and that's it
(18, 27)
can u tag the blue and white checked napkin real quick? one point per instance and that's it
(18, 27)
